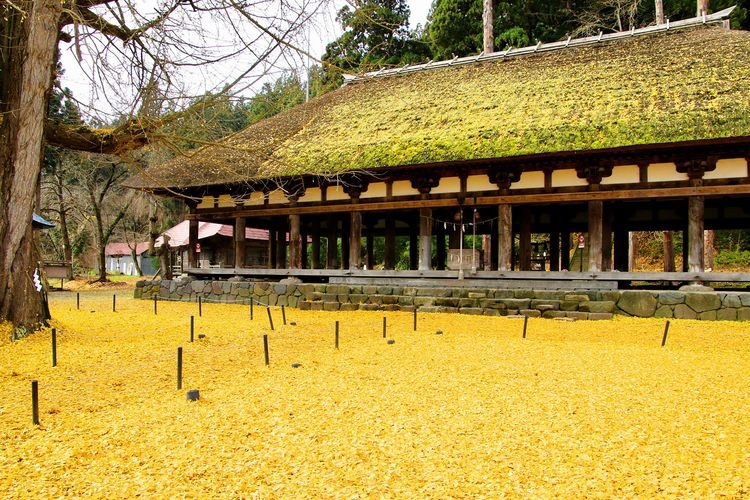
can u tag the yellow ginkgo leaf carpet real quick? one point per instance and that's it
(462, 407)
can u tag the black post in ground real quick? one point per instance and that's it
(154, 304)
(35, 402)
(337, 334)
(54, 347)
(385, 328)
(270, 319)
(265, 347)
(415, 319)
(192, 328)
(179, 368)
(251, 308)
(114, 303)
(200, 307)
(283, 315)
(666, 331)
(525, 324)
(78, 300)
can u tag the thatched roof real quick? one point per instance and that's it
(663, 88)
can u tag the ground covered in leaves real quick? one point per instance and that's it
(574, 409)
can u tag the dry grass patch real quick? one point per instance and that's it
(584, 408)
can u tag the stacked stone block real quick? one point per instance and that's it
(707, 305)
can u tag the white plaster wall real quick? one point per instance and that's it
(375, 190)
(567, 178)
(447, 185)
(623, 174)
(529, 180)
(403, 188)
(311, 194)
(479, 183)
(730, 168)
(335, 193)
(664, 172)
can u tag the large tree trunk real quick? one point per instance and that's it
(488, 37)
(660, 12)
(27, 48)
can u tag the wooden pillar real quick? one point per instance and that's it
(622, 250)
(565, 250)
(239, 242)
(370, 249)
(345, 240)
(505, 237)
(685, 250)
(524, 239)
(440, 253)
(316, 243)
(333, 246)
(281, 244)
(192, 242)
(425, 239)
(695, 234)
(272, 243)
(390, 243)
(606, 238)
(554, 251)
(355, 240)
(295, 242)
(596, 223)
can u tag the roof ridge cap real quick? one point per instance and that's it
(539, 47)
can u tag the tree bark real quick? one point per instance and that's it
(668, 248)
(488, 36)
(27, 45)
(660, 12)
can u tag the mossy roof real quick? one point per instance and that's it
(664, 88)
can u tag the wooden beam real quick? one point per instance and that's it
(355, 240)
(192, 242)
(596, 209)
(239, 242)
(425, 239)
(695, 234)
(516, 199)
(505, 237)
(295, 242)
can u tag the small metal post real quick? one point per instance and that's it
(114, 303)
(337, 334)
(200, 306)
(35, 402)
(384, 326)
(270, 319)
(283, 315)
(265, 347)
(525, 324)
(666, 331)
(251, 308)
(179, 368)
(192, 327)
(78, 300)
(154, 304)
(415, 318)
(54, 347)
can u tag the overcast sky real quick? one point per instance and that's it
(326, 30)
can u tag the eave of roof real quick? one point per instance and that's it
(690, 85)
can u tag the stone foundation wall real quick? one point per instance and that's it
(692, 303)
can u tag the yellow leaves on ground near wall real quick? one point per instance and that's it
(575, 409)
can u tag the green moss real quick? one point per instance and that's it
(666, 88)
